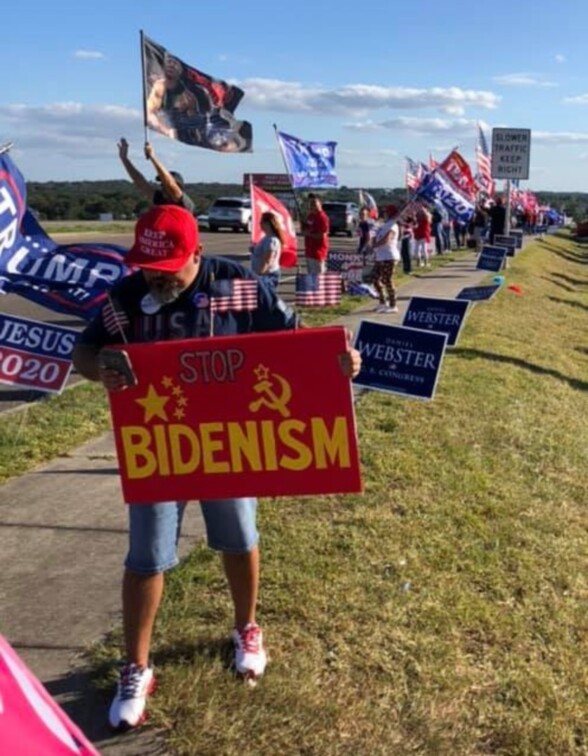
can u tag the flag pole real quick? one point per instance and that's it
(298, 206)
(508, 202)
(143, 68)
(296, 201)
(6, 147)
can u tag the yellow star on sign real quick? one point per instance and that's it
(261, 372)
(153, 404)
(167, 382)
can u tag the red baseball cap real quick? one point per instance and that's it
(166, 236)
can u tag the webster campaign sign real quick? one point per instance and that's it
(35, 355)
(478, 293)
(399, 360)
(237, 416)
(508, 241)
(436, 314)
(492, 258)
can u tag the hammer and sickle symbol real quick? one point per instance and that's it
(270, 399)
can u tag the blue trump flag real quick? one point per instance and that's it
(433, 188)
(67, 278)
(311, 165)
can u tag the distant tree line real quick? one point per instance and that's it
(87, 200)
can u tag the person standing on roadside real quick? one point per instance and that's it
(169, 297)
(387, 256)
(365, 230)
(422, 237)
(265, 255)
(171, 190)
(316, 236)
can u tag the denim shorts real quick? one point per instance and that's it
(154, 531)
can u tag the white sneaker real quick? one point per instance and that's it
(250, 656)
(381, 308)
(391, 309)
(127, 709)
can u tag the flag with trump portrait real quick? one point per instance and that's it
(264, 202)
(311, 165)
(190, 106)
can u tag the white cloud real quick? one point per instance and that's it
(70, 129)
(523, 80)
(358, 99)
(88, 55)
(559, 58)
(424, 126)
(577, 100)
(559, 137)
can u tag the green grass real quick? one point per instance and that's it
(441, 612)
(89, 227)
(39, 432)
(444, 610)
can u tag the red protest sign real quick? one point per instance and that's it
(254, 415)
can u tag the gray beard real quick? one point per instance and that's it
(165, 294)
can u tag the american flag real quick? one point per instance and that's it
(318, 290)
(233, 294)
(413, 174)
(484, 163)
(114, 319)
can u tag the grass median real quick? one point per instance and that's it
(444, 610)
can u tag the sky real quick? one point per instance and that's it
(384, 79)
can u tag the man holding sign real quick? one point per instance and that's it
(178, 294)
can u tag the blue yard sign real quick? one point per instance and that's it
(492, 258)
(435, 314)
(478, 293)
(510, 242)
(399, 360)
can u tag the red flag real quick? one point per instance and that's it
(457, 169)
(264, 202)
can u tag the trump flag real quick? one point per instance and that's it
(186, 104)
(311, 165)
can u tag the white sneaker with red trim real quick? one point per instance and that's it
(250, 656)
(128, 706)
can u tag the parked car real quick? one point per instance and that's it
(230, 212)
(202, 221)
(343, 217)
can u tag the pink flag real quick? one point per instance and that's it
(264, 202)
(31, 722)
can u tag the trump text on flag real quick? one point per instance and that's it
(237, 416)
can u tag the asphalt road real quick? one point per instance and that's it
(235, 246)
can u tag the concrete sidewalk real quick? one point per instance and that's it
(63, 538)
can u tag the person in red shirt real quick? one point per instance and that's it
(316, 236)
(422, 237)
